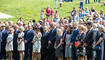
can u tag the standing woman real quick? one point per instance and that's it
(58, 45)
(99, 46)
(37, 45)
(21, 47)
(9, 44)
(60, 2)
(68, 47)
(56, 17)
(81, 49)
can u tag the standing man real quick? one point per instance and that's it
(73, 40)
(15, 44)
(89, 39)
(73, 13)
(28, 43)
(4, 41)
(44, 43)
(0, 40)
(87, 1)
(51, 42)
(54, 3)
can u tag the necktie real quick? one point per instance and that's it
(15, 32)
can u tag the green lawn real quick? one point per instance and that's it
(30, 9)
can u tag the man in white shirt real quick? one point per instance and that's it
(54, 3)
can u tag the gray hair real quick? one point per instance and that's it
(102, 27)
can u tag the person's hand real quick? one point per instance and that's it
(55, 47)
(85, 44)
(36, 36)
(49, 42)
(0, 40)
(76, 46)
(32, 41)
(71, 43)
(25, 41)
(8, 42)
(67, 45)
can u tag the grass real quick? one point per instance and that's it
(30, 9)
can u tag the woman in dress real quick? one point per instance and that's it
(99, 46)
(81, 50)
(20, 40)
(58, 45)
(9, 44)
(42, 13)
(68, 47)
(37, 45)
(56, 17)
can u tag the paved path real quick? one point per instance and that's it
(5, 16)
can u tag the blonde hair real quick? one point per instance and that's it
(21, 29)
(102, 27)
(83, 28)
(59, 32)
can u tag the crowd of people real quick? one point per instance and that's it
(79, 37)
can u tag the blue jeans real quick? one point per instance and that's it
(81, 5)
(54, 3)
(95, 0)
(99, 1)
(86, 1)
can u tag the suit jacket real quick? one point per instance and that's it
(74, 35)
(25, 34)
(15, 38)
(90, 38)
(44, 40)
(0, 40)
(4, 36)
(52, 35)
(29, 36)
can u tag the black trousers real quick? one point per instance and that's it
(44, 53)
(74, 53)
(28, 51)
(51, 53)
(3, 51)
(16, 55)
(89, 53)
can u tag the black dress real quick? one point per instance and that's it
(59, 50)
(81, 50)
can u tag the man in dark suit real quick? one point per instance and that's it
(51, 41)
(44, 42)
(89, 39)
(3, 43)
(73, 40)
(64, 38)
(15, 44)
(0, 40)
(28, 43)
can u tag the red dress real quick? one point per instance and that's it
(52, 12)
(48, 12)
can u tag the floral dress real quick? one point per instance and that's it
(37, 43)
(21, 46)
(9, 44)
